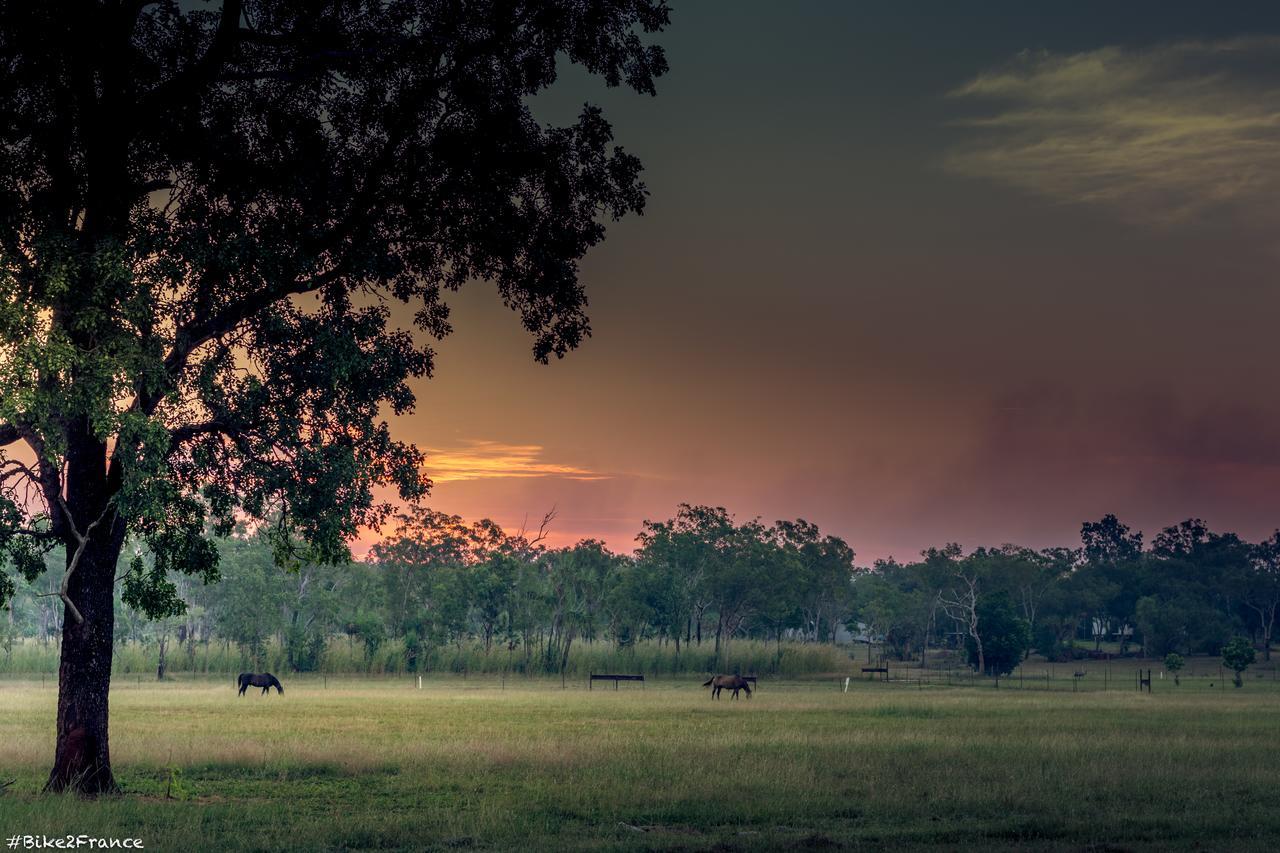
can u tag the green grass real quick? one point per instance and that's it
(377, 764)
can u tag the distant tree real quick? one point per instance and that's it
(1067, 606)
(1174, 663)
(1181, 540)
(423, 544)
(891, 601)
(1006, 636)
(1109, 541)
(786, 577)
(370, 629)
(204, 216)
(629, 603)
(693, 547)
(821, 584)
(578, 581)
(739, 579)
(1112, 556)
(961, 595)
(248, 599)
(1261, 588)
(1238, 655)
(493, 581)
(311, 605)
(876, 606)
(672, 578)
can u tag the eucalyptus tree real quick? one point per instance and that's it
(824, 582)
(691, 549)
(1111, 561)
(578, 581)
(205, 214)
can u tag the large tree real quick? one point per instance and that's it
(206, 212)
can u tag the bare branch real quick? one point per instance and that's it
(83, 541)
(542, 528)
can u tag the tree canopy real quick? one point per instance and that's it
(206, 217)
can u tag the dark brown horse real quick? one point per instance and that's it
(727, 682)
(264, 680)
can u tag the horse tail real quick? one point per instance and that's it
(707, 683)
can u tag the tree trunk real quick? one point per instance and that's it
(82, 760)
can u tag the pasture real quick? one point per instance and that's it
(378, 764)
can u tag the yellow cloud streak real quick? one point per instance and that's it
(491, 460)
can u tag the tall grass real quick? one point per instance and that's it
(343, 656)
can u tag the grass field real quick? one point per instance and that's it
(378, 764)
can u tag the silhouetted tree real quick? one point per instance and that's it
(204, 216)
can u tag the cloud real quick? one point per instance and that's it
(492, 460)
(1163, 134)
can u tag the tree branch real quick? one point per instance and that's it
(49, 479)
(83, 540)
(203, 70)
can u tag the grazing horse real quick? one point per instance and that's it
(264, 680)
(727, 682)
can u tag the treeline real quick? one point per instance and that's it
(442, 593)
(1190, 592)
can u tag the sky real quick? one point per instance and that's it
(915, 272)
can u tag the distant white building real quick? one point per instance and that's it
(1102, 628)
